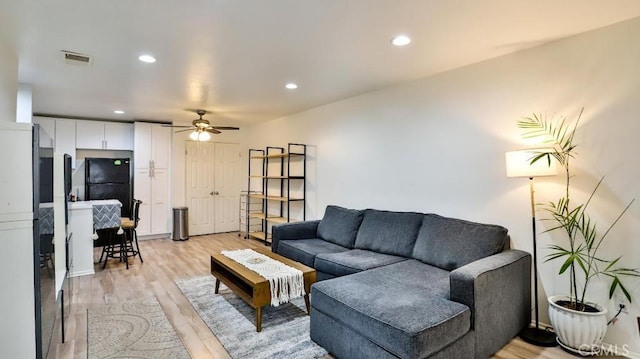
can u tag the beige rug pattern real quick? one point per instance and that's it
(132, 329)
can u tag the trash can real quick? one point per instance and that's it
(180, 224)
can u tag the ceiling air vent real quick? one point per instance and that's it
(75, 58)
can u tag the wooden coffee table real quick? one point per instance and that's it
(250, 286)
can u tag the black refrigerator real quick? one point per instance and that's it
(109, 178)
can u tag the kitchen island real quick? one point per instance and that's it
(84, 217)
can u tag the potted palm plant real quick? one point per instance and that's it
(579, 253)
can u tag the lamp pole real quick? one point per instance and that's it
(519, 164)
(536, 336)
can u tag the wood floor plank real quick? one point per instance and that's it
(166, 261)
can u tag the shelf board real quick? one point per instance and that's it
(269, 177)
(277, 155)
(277, 219)
(260, 235)
(273, 219)
(278, 177)
(275, 198)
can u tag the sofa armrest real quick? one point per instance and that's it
(497, 289)
(293, 230)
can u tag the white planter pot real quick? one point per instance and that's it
(580, 332)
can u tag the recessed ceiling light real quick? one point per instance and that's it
(401, 40)
(147, 58)
(291, 86)
(118, 112)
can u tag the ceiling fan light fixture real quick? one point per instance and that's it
(204, 136)
(291, 86)
(200, 135)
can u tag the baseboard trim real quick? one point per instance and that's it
(81, 273)
(155, 236)
(626, 353)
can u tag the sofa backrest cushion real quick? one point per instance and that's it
(340, 225)
(450, 243)
(389, 232)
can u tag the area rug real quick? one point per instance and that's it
(285, 329)
(132, 329)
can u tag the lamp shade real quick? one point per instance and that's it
(519, 164)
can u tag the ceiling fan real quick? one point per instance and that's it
(201, 128)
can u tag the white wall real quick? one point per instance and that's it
(24, 104)
(437, 145)
(8, 82)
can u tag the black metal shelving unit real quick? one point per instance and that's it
(282, 170)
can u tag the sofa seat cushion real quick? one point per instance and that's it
(305, 250)
(340, 225)
(450, 243)
(353, 261)
(389, 232)
(406, 320)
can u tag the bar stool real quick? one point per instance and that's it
(129, 226)
(120, 246)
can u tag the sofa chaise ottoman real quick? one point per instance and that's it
(409, 285)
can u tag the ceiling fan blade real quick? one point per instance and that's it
(188, 129)
(224, 128)
(213, 130)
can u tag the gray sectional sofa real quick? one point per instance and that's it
(409, 285)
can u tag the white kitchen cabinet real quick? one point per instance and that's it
(152, 159)
(47, 130)
(99, 135)
(152, 142)
(59, 134)
(65, 140)
(89, 134)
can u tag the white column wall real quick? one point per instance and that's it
(437, 145)
(8, 82)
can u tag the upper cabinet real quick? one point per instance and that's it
(152, 145)
(47, 131)
(59, 134)
(99, 135)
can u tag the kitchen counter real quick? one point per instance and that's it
(84, 216)
(90, 204)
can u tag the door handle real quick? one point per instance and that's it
(214, 193)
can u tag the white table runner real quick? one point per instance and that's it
(285, 282)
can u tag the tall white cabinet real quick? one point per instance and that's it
(17, 327)
(152, 163)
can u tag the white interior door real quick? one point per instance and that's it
(199, 187)
(227, 187)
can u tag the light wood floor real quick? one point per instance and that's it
(164, 262)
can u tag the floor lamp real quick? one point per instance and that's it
(519, 165)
